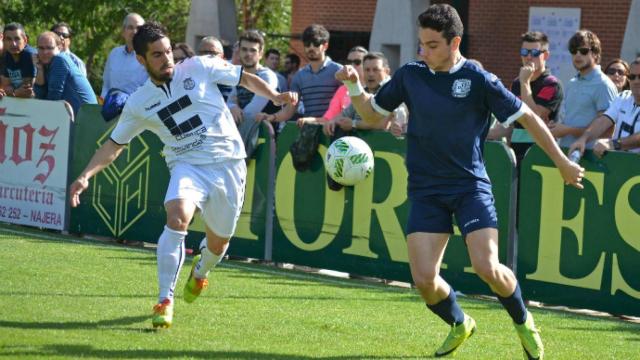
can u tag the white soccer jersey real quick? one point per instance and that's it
(625, 114)
(188, 113)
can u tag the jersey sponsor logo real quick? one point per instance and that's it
(461, 88)
(413, 63)
(189, 84)
(152, 106)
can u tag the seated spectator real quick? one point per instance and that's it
(19, 70)
(340, 99)
(59, 78)
(622, 115)
(63, 30)
(122, 71)
(617, 70)
(182, 51)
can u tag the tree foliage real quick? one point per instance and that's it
(96, 24)
(272, 17)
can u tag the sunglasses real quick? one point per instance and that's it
(533, 52)
(208, 52)
(313, 43)
(356, 62)
(613, 71)
(633, 76)
(582, 51)
(63, 35)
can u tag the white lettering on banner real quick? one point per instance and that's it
(34, 152)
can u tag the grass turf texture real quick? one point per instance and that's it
(63, 297)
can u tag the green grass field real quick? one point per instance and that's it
(62, 297)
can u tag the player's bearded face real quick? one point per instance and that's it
(159, 60)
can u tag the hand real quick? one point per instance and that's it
(24, 91)
(305, 120)
(395, 129)
(572, 173)
(558, 130)
(328, 128)
(262, 116)
(526, 72)
(344, 123)
(2, 93)
(78, 186)
(601, 146)
(347, 73)
(579, 145)
(288, 97)
(236, 112)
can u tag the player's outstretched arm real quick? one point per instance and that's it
(105, 155)
(571, 172)
(360, 99)
(259, 87)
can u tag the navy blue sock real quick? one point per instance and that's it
(448, 309)
(515, 305)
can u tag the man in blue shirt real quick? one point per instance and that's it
(59, 78)
(19, 72)
(450, 101)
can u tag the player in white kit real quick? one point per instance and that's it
(203, 149)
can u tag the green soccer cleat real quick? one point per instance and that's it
(162, 314)
(194, 286)
(457, 335)
(530, 339)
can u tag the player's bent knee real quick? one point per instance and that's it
(177, 222)
(425, 283)
(487, 271)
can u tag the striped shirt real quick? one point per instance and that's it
(316, 89)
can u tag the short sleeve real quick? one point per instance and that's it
(391, 94)
(613, 111)
(501, 102)
(605, 95)
(128, 126)
(221, 71)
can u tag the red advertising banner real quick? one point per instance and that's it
(34, 158)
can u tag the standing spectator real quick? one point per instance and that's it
(291, 66)
(272, 61)
(536, 87)
(1, 56)
(59, 78)
(617, 70)
(588, 94)
(182, 51)
(212, 46)
(19, 70)
(122, 71)
(244, 104)
(63, 30)
(623, 114)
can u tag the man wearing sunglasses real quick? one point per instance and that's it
(623, 114)
(63, 30)
(588, 94)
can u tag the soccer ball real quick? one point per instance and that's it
(349, 160)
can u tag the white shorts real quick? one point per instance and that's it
(216, 189)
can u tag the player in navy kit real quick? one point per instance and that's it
(450, 101)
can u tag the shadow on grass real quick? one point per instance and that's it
(75, 325)
(75, 351)
(75, 295)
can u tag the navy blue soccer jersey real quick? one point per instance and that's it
(449, 114)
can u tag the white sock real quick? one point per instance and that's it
(208, 260)
(170, 256)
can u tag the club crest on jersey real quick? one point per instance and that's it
(461, 88)
(189, 84)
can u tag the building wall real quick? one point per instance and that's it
(494, 31)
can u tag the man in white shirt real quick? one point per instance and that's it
(204, 152)
(624, 114)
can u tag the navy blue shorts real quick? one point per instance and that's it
(433, 214)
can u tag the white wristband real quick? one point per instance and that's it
(354, 88)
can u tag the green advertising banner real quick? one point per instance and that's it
(126, 200)
(361, 229)
(581, 248)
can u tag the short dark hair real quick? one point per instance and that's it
(536, 36)
(62, 24)
(14, 26)
(375, 55)
(186, 49)
(586, 38)
(315, 33)
(359, 49)
(252, 36)
(295, 59)
(272, 51)
(148, 33)
(442, 18)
